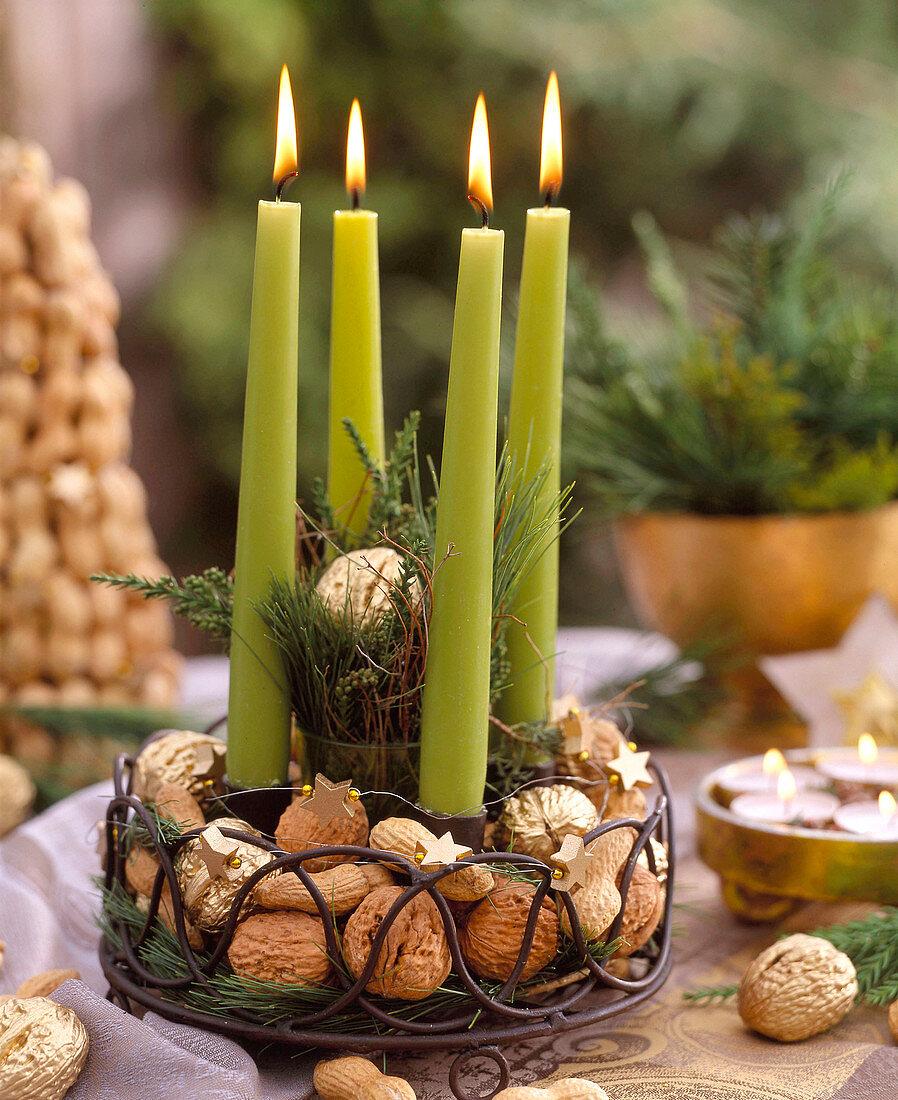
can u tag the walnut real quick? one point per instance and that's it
(414, 959)
(300, 830)
(16, 794)
(178, 756)
(798, 987)
(893, 1020)
(43, 1048)
(363, 584)
(207, 899)
(645, 904)
(285, 947)
(538, 819)
(494, 931)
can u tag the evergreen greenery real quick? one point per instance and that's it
(205, 601)
(352, 680)
(785, 399)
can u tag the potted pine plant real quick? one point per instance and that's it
(748, 458)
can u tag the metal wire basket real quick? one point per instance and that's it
(588, 995)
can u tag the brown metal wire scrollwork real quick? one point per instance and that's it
(486, 1020)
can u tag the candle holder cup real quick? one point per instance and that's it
(344, 1016)
(767, 868)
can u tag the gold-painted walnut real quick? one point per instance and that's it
(537, 820)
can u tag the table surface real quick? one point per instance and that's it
(663, 1048)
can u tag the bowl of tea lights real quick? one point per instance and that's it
(808, 824)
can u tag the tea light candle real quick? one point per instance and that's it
(864, 765)
(743, 781)
(787, 804)
(872, 818)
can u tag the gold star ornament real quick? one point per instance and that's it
(209, 763)
(870, 707)
(331, 800)
(629, 768)
(573, 861)
(219, 853)
(437, 853)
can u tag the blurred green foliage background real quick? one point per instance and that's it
(688, 108)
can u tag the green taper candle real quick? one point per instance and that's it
(534, 428)
(258, 704)
(455, 704)
(355, 369)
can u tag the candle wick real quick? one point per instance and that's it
(482, 208)
(551, 193)
(283, 183)
(355, 194)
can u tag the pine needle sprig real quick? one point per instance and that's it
(872, 945)
(710, 994)
(204, 600)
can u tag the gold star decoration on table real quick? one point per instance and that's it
(572, 860)
(437, 853)
(70, 483)
(219, 853)
(330, 800)
(209, 763)
(629, 768)
(870, 707)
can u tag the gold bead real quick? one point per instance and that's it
(558, 873)
(115, 832)
(419, 857)
(583, 755)
(631, 745)
(235, 862)
(354, 795)
(614, 779)
(307, 789)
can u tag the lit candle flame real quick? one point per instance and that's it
(550, 153)
(286, 158)
(785, 786)
(480, 182)
(773, 763)
(888, 807)
(866, 749)
(355, 155)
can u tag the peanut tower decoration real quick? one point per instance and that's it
(70, 505)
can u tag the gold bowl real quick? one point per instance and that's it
(773, 584)
(765, 868)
